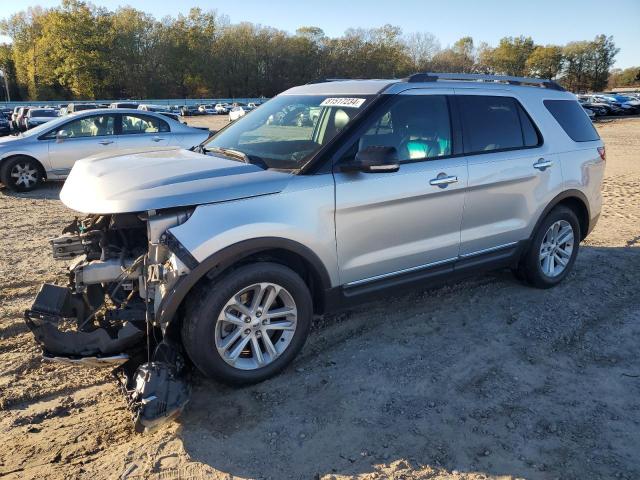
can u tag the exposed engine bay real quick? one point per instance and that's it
(120, 267)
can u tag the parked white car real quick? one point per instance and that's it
(147, 107)
(207, 109)
(38, 116)
(48, 152)
(238, 112)
(221, 109)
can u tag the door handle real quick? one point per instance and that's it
(105, 142)
(442, 181)
(542, 164)
(157, 139)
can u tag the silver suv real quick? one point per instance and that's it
(223, 254)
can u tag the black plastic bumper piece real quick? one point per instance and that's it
(52, 308)
(159, 394)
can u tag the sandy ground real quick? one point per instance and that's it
(481, 379)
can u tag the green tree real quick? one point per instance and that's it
(629, 77)
(545, 62)
(510, 56)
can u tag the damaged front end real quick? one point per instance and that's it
(120, 267)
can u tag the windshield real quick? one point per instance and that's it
(286, 132)
(43, 113)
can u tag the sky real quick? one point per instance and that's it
(546, 21)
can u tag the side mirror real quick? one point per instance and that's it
(61, 135)
(374, 159)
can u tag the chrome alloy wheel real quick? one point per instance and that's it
(25, 174)
(556, 248)
(256, 326)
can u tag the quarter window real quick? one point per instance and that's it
(573, 120)
(495, 123)
(417, 126)
(133, 124)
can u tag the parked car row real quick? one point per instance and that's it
(22, 118)
(610, 103)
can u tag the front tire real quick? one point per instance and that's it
(249, 324)
(21, 174)
(553, 249)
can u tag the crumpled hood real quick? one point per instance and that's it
(135, 181)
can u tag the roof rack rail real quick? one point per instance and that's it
(325, 80)
(481, 77)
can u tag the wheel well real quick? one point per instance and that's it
(42, 169)
(292, 260)
(581, 211)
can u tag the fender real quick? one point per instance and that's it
(572, 193)
(221, 260)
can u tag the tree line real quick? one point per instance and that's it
(81, 51)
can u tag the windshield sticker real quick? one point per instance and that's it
(343, 102)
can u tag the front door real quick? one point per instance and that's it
(391, 223)
(80, 138)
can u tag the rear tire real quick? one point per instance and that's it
(249, 324)
(553, 249)
(21, 174)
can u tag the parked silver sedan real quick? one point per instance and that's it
(48, 151)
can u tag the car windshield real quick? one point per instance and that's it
(286, 132)
(43, 113)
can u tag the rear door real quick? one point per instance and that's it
(138, 130)
(511, 172)
(84, 136)
(390, 223)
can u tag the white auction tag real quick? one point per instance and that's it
(343, 102)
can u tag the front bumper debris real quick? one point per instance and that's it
(156, 391)
(51, 319)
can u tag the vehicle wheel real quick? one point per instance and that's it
(21, 174)
(249, 324)
(553, 250)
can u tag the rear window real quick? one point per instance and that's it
(573, 120)
(493, 123)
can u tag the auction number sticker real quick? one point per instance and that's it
(343, 102)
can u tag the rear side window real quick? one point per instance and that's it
(492, 123)
(573, 120)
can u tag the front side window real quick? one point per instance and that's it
(287, 131)
(417, 126)
(494, 123)
(93, 126)
(135, 124)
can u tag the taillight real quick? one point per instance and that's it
(602, 153)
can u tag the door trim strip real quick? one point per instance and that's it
(400, 272)
(489, 250)
(429, 265)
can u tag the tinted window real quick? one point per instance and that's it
(93, 126)
(493, 123)
(132, 124)
(43, 113)
(418, 126)
(573, 120)
(530, 134)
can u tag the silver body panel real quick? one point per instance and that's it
(136, 181)
(361, 226)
